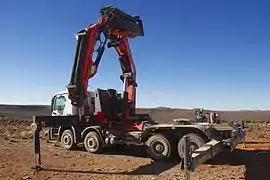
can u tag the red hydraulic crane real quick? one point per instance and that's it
(117, 27)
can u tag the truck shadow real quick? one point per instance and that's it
(132, 151)
(153, 168)
(256, 162)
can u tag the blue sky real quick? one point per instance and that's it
(211, 54)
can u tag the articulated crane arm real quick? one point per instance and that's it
(117, 27)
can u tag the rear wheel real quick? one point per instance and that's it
(160, 148)
(93, 143)
(67, 140)
(195, 142)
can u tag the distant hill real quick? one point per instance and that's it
(23, 111)
(167, 114)
(160, 114)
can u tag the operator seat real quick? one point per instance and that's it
(113, 102)
(108, 102)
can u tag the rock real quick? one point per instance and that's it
(6, 138)
(26, 177)
(26, 134)
(12, 140)
(7, 135)
(3, 165)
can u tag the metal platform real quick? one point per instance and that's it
(193, 159)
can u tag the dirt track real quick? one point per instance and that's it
(16, 160)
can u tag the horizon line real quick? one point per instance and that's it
(157, 107)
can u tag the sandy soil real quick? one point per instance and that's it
(16, 160)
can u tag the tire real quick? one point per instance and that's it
(67, 140)
(166, 147)
(93, 143)
(195, 142)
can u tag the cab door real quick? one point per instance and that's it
(58, 105)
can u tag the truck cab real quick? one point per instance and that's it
(61, 104)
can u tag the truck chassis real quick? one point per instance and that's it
(85, 129)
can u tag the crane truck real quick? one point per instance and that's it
(105, 117)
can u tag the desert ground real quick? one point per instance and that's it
(16, 152)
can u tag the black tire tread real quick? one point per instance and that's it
(68, 131)
(167, 140)
(96, 135)
(195, 138)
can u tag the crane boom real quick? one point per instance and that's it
(117, 27)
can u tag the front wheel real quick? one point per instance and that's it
(160, 148)
(67, 140)
(93, 143)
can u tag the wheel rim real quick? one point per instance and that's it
(157, 148)
(92, 143)
(67, 140)
(193, 147)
